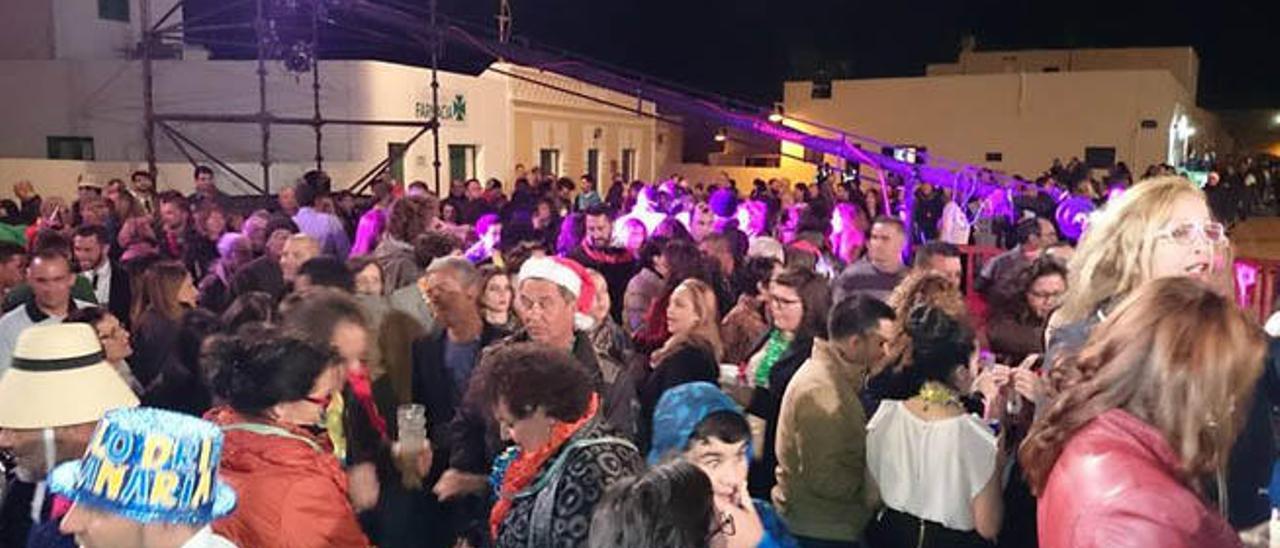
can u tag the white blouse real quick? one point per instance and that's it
(930, 469)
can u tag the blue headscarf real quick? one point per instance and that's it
(679, 411)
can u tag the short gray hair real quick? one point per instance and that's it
(467, 273)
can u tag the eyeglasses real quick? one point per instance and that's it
(723, 526)
(1046, 296)
(1192, 232)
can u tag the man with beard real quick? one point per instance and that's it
(597, 252)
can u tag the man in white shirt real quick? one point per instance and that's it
(110, 282)
(50, 278)
(324, 228)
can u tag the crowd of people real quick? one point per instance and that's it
(676, 364)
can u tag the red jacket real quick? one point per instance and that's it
(1114, 486)
(290, 493)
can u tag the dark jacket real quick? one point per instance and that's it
(1115, 483)
(766, 403)
(434, 389)
(121, 294)
(557, 511)
(155, 341)
(691, 362)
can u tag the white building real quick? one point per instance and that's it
(72, 99)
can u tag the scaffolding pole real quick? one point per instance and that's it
(435, 94)
(148, 83)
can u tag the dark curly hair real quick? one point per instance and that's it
(939, 344)
(531, 375)
(254, 372)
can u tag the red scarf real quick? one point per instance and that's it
(607, 255)
(526, 467)
(358, 379)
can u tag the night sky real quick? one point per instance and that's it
(746, 48)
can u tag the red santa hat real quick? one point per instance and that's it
(570, 275)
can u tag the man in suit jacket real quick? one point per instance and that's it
(443, 361)
(109, 280)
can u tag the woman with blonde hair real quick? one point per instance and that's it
(1150, 406)
(1160, 228)
(692, 353)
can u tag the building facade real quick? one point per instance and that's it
(77, 105)
(1015, 112)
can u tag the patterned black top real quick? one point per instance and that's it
(556, 510)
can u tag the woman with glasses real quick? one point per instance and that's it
(1163, 228)
(798, 302)
(291, 489)
(114, 338)
(1016, 327)
(1160, 228)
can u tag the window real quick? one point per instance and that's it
(821, 89)
(1100, 157)
(764, 161)
(114, 10)
(462, 162)
(995, 156)
(593, 164)
(628, 164)
(70, 148)
(549, 161)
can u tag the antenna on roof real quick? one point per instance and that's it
(504, 21)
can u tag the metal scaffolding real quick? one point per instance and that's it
(154, 36)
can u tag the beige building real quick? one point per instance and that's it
(1015, 112)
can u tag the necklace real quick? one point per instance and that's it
(935, 393)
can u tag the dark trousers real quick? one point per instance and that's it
(806, 542)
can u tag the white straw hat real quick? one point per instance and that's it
(60, 377)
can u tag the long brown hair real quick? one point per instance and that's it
(706, 331)
(159, 291)
(1176, 355)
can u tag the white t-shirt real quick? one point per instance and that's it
(930, 469)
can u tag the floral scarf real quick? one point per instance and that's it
(523, 469)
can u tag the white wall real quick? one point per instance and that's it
(80, 34)
(1029, 118)
(103, 100)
